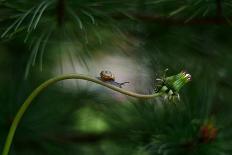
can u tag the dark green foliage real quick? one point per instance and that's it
(168, 128)
(191, 35)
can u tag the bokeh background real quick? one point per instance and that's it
(135, 40)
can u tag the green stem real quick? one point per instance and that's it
(47, 83)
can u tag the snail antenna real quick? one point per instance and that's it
(123, 83)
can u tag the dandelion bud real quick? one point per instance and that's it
(176, 82)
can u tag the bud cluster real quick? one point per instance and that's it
(171, 85)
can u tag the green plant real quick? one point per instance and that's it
(174, 81)
(191, 34)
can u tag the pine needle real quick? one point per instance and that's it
(96, 33)
(178, 10)
(43, 48)
(88, 15)
(40, 14)
(36, 48)
(10, 27)
(78, 20)
(206, 11)
(22, 18)
(194, 15)
(35, 13)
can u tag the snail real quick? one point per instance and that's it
(107, 76)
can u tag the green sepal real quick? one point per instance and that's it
(176, 82)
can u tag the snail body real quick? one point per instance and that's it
(108, 76)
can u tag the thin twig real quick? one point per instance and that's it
(219, 8)
(174, 21)
(60, 12)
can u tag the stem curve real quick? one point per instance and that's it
(47, 83)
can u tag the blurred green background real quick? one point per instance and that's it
(137, 41)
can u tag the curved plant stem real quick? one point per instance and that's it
(47, 83)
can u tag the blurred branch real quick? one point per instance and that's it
(74, 138)
(60, 12)
(84, 137)
(219, 7)
(175, 21)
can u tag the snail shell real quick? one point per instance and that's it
(107, 76)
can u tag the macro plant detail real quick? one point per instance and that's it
(108, 77)
(129, 105)
(170, 86)
(179, 77)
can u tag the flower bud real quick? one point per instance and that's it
(208, 132)
(176, 82)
